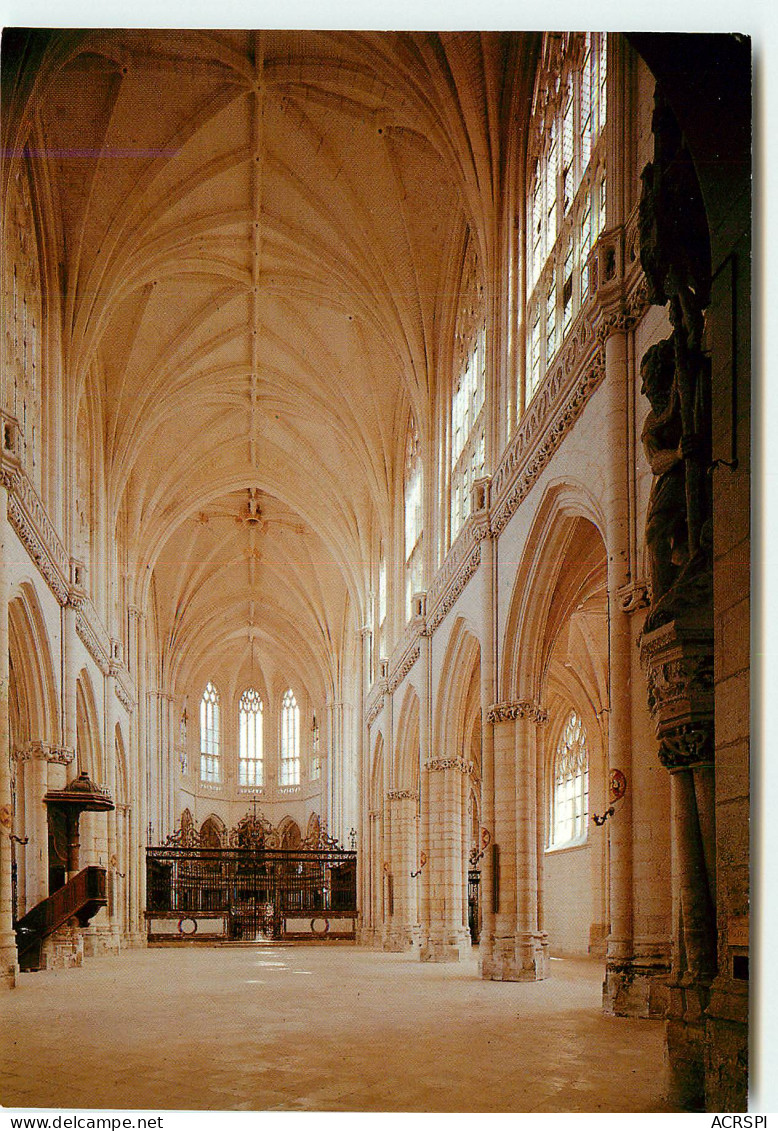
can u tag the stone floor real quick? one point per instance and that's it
(311, 1028)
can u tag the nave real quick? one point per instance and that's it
(322, 1028)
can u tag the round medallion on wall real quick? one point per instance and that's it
(320, 926)
(187, 926)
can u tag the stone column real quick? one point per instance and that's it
(112, 817)
(678, 658)
(70, 678)
(420, 866)
(619, 947)
(9, 966)
(518, 951)
(38, 825)
(448, 939)
(401, 806)
(488, 692)
(135, 866)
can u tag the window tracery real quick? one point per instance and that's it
(569, 786)
(567, 190)
(382, 643)
(468, 426)
(290, 739)
(250, 746)
(210, 758)
(22, 285)
(414, 517)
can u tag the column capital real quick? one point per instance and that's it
(44, 752)
(402, 795)
(439, 764)
(518, 709)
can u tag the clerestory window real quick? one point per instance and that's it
(414, 517)
(567, 191)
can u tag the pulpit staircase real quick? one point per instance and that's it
(80, 898)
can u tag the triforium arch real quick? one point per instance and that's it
(448, 776)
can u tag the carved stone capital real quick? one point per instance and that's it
(520, 709)
(678, 662)
(686, 746)
(62, 755)
(435, 765)
(634, 596)
(45, 752)
(402, 795)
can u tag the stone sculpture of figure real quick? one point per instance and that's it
(674, 247)
(666, 522)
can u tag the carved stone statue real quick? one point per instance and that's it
(675, 256)
(674, 242)
(666, 529)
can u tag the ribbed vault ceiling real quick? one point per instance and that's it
(260, 234)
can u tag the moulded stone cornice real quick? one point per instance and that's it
(456, 584)
(123, 695)
(122, 679)
(403, 667)
(452, 564)
(557, 405)
(29, 518)
(520, 709)
(94, 637)
(375, 704)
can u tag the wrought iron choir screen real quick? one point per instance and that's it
(250, 889)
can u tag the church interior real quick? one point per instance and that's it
(374, 528)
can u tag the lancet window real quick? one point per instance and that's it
(569, 786)
(251, 764)
(567, 190)
(290, 740)
(210, 757)
(468, 425)
(414, 516)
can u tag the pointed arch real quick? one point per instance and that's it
(376, 796)
(556, 527)
(89, 751)
(460, 668)
(34, 690)
(122, 780)
(407, 749)
(213, 832)
(290, 835)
